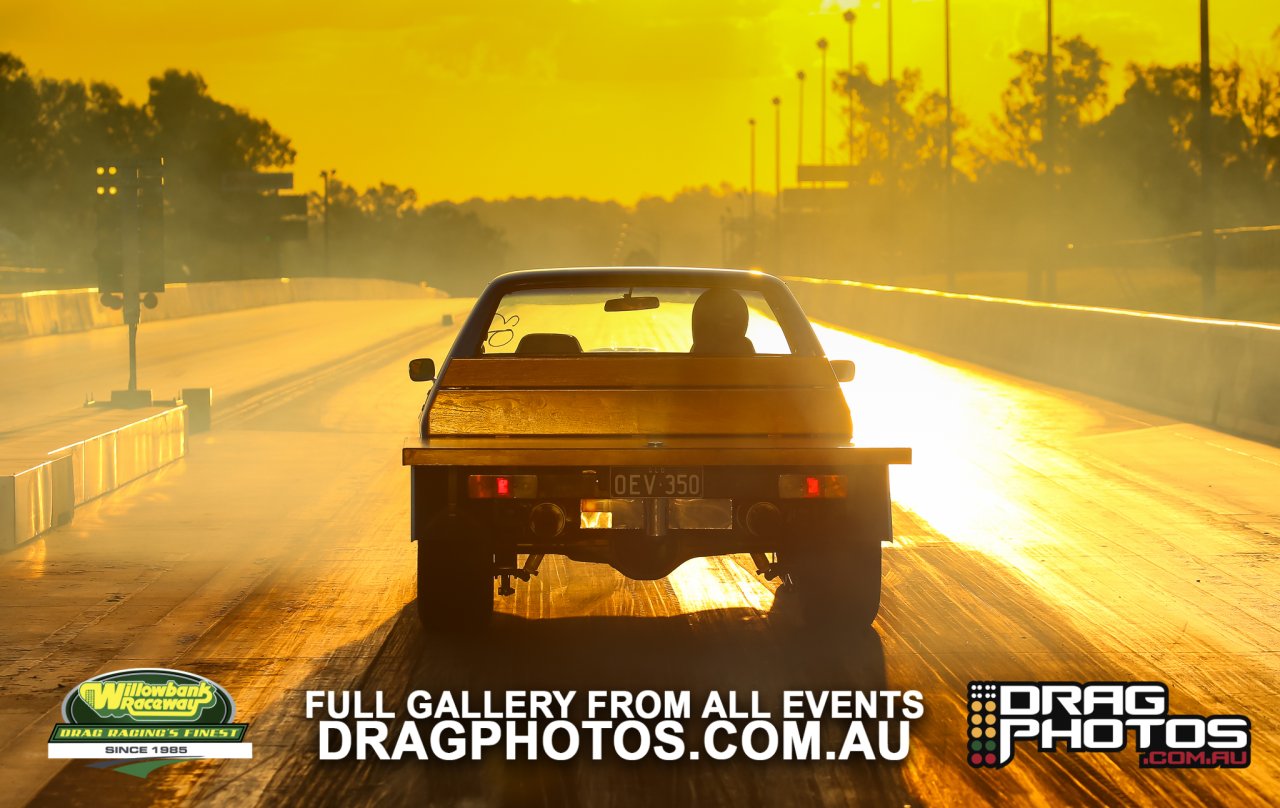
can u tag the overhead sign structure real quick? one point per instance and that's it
(260, 212)
(282, 206)
(825, 173)
(257, 181)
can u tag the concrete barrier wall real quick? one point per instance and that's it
(35, 500)
(109, 459)
(1220, 373)
(34, 314)
(44, 493)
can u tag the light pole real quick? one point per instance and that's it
(891, 170)
(726, 220)
(777, 183)
(777, 151)
(1050, 91)
(946, 23)
(327, 176)
(800, 121)
(751, 122)
(951, 270)
(1208, 269)
(822, 89)
(849, 17)
(1050, 133)
(891, 95)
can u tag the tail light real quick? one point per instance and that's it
(502, 486)
(812, 486)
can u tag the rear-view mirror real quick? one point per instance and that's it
(422, 370)
(844, 369)
(629, 303)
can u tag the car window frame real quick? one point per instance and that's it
(795, 326)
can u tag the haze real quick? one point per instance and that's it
(608, 100)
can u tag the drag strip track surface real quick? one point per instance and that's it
(1042, 535)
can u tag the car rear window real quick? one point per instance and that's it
(619, 321)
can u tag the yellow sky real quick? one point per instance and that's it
(598, 98)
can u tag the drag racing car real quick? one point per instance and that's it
(641, 417)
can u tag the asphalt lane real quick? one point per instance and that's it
(1041, 535)
(232, 352)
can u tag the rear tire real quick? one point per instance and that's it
(455, 585)
(837, 583)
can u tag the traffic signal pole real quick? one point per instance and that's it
(130, 252)
(130, 259)
(131, 279)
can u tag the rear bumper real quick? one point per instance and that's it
(741, 511)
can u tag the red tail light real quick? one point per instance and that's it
(502, 486)
(812, 486)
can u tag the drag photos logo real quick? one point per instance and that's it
(1100, 717)
(140, 719)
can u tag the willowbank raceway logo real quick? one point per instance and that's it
(135, 721)
(1100, 717)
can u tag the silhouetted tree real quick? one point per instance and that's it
(1080, 94)
(51, 134)
(913, 118)
(383, 232)
(204, 138)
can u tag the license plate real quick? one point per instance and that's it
(629, 483)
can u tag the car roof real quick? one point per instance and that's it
(569, 277)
